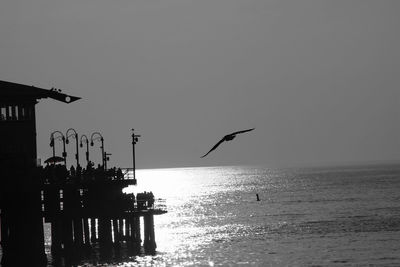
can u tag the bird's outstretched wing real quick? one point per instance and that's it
(214, 147)
(227, 138)
(239, 132)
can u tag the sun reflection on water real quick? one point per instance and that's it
(195, 216)
(214, 218)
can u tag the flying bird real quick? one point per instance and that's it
(228, 137)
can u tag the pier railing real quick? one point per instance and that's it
(51, 177)
(158, 204)
(128, 174)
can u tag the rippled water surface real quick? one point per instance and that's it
(310, 216)
(337, 216)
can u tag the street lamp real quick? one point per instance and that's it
(106, 158)
(75, 135)
(87, 146)
(135, 139)
(59, 137)
(98, 137)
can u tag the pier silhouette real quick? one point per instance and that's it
(89, 214)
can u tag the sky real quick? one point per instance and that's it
(319, 80)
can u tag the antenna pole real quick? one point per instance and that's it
(134, 141)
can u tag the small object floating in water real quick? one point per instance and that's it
(258, 198)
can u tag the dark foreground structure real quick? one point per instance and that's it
(92, 219)
(88, 212)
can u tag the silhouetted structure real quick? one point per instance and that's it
(87, 210)
(21, 219)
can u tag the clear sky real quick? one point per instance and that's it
(320, 80)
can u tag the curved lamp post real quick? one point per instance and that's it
(87, 146)
(97, 136)
(59, 137)
(75, 135)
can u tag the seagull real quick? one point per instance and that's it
(228, 137)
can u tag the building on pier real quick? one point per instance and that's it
(21, 223)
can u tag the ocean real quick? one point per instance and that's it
(325, 216)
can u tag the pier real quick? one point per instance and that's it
(88, 212)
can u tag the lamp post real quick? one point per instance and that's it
(52, 145)
(52, 138)
(106, 158)
(98, 137)
(135, 139)
(87, 146)
(75, 135)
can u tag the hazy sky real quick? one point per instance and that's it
(320, 80)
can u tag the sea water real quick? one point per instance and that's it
(326, 216)
(305, 216)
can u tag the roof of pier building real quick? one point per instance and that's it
(18, 122)
(18, 93)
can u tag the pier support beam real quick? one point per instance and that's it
(117, 240)
(149, 242)
(105, 238)
(127, 235)
(137, 239)
(86, 235)
(134, 237)
(4, 232)
(67, 240)
(93, 237)
(52, 208)
(78, 237)
(121, 229)
(22, 226)
(56, 234)
(77, 221)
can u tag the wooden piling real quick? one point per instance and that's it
(86, 232)
(121, 229)
(94, 214)
(117, 240)
(4, 233)
(67, 240)
(127, 228)
(149, 242)
(56, 237)
(136, 232)
(77, 220)
(105, 238)
(67, 224)
(115, 231)
(93, 234)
